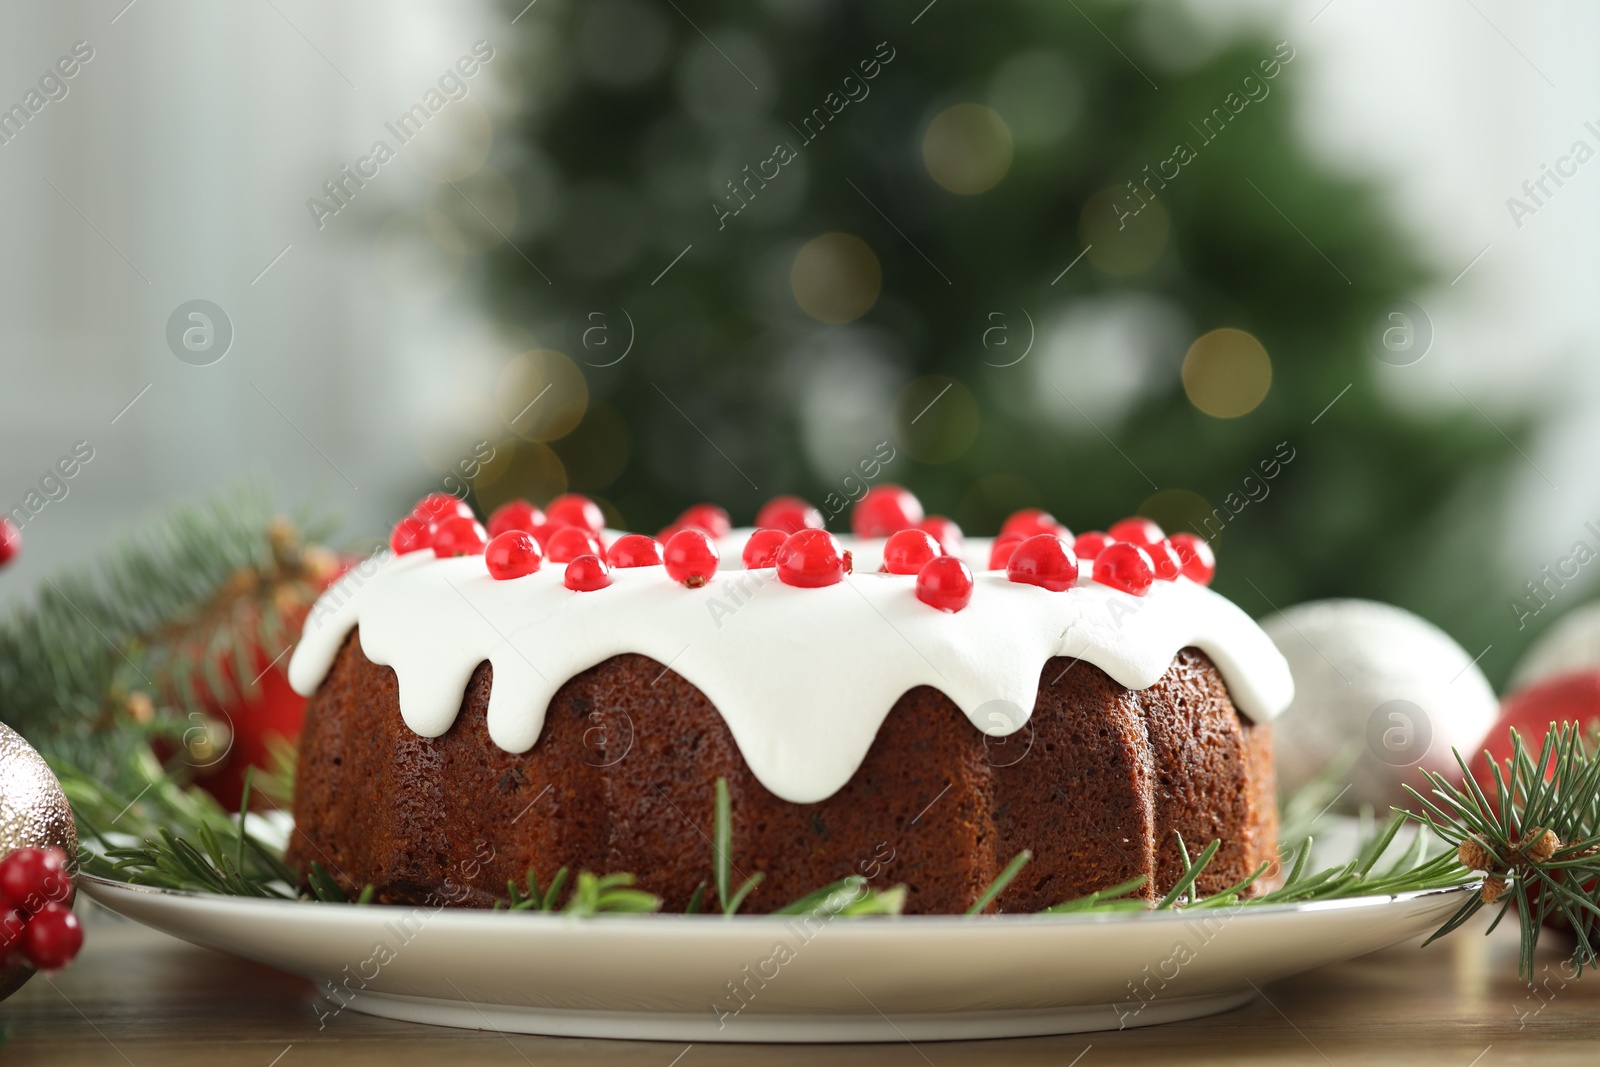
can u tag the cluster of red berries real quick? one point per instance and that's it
(1032, 548)
(1130, 557)
(35, 922)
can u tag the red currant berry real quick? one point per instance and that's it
(411, 534)
(437, 507)
(1000, 551)
(567, 543)
(788, 514)
(1031, 521)
(1199, 562)
(692, 558)
(708, 517)
(1125, 567)
(515, 515)
(12, 924)
(586, 574)
(945, 582)
(52, 937)
(1089, 545)
(884, 510)
(575, 509)
(812, 558)
(1167, 562)
(634, 550)
(762, 548)
(512, 554)
(1136, 531)
(31, 877)
(10, 541)
(907, 551)
(944, 531)
(459, 536)
(1044, 560)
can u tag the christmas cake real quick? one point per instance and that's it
(900, 705)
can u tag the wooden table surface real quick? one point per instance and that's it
(137, 997)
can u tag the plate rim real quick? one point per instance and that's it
(660, 920)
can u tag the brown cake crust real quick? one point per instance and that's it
(1097, 786)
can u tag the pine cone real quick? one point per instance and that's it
(1475, 856)
(1494, 887)
(1540, 844)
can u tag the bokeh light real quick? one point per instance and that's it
(541, 395)
(478, 210)
(967, 148)
(453, 143)
(836, 278)
(1119, 241)
(530, 471)
(1038, 96)
(936, 419)
(1227, 373)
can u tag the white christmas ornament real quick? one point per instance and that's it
(1380, 683)
(1572, 644)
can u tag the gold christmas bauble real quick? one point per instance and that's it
(33, 811)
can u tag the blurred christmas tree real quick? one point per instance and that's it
(999, 237)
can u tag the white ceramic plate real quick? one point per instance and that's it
(705, 978)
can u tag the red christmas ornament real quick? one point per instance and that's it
(1136, 531)
(1045, 560)
(1000, 551)
(575, 509)
(52, 937)
(945, 583)
(512, 554)
(884, 510)
(1199, 562)
(459, 536)
(691, 558)
(586, 573)
(10, 540)
(708, 517)
(908, 551)
(515, 515)
(790, 514)
(634, 550)
(811, 559)
(411, 534)
(762, 548)
(567, 543)
(1125, 567)
(1573, 697)
(1088, 545)
(944, 531)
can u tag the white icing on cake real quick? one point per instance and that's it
(802, 677)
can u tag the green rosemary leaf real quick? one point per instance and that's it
(1191, 872)
(697, 900)
(553, 893)
(722, 842)
(996, 887)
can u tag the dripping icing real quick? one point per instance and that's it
(802, 677)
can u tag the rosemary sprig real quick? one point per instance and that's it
(721, 857)
(1537, 841)
(1003, 879)
(592, 895)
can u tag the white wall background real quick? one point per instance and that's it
(193, 138)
